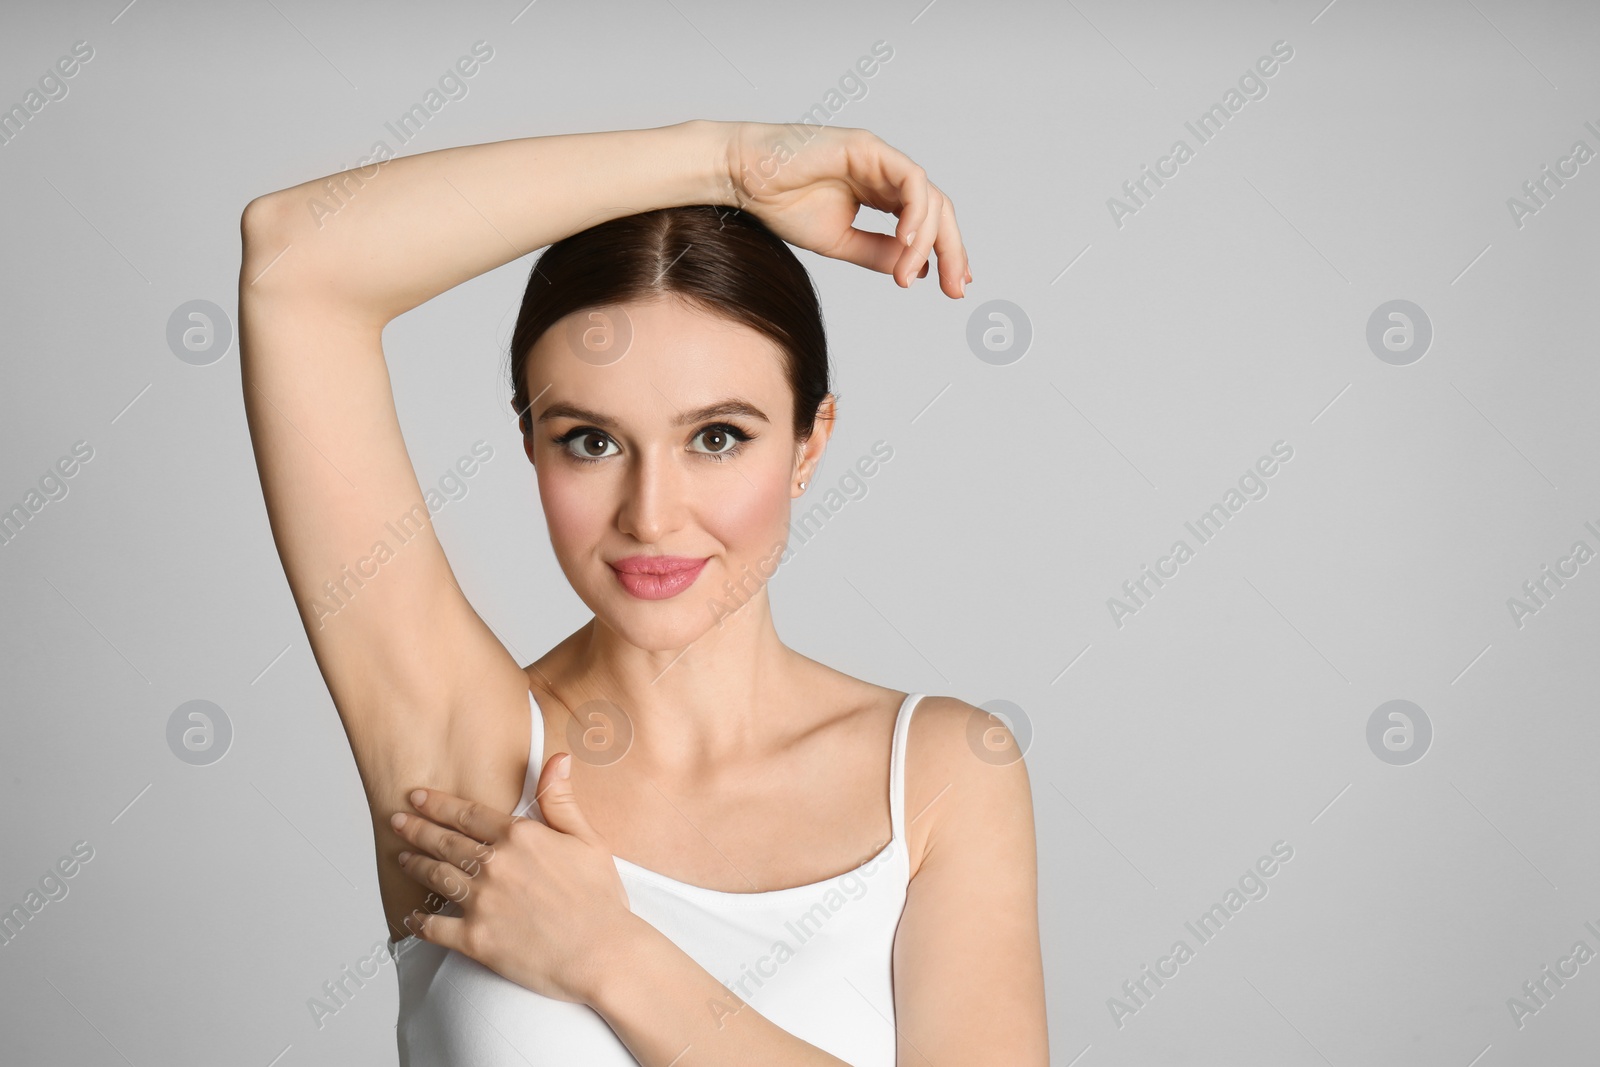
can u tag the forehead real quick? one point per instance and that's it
(674, 356)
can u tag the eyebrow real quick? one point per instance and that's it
(721, 409)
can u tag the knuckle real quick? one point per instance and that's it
(448, 882)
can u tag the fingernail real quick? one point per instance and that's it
(564, 766)
(912, 236)
(404, 856)
(397, 820)
(419, 797)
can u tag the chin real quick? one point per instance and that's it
(658, 625)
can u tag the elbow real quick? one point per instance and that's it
(259, 218)
(262, 242)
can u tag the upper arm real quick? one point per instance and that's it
(968, 972)
(388, 624)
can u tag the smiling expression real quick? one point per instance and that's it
(683, 447)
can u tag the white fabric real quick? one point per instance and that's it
(814, 959)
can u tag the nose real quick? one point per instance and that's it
(653, 505)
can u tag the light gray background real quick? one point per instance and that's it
(1167, 755)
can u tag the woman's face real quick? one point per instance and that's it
(661, 430)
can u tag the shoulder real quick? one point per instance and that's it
(954, 742)
(965, 778)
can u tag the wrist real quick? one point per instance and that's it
(613, 960)
(711, 154)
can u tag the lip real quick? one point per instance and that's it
(657, 577)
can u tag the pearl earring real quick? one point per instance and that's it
(802, 485)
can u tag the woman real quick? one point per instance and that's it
(762, 860)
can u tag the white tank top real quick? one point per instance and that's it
(816, 960)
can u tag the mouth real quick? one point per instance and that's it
(657, 577)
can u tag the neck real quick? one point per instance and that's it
(704, 703)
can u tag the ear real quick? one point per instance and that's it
(808, 454)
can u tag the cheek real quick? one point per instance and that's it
(749, 515)
(573, 511)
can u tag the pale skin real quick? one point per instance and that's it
(751, 767)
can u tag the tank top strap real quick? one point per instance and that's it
(897, 766)
(530, 777)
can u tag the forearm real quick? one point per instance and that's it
(661, 1003)
(391, 236)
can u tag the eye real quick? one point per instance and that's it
(586, 444)
(587, 439)
(724, 438)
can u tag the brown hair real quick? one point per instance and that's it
(722, 260)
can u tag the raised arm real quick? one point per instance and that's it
(386, 238)
(425, 691)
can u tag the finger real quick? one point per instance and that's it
(441, 842)
(920, 212)
(477, 821)
(444, 930)
(921, 251)
(952, 252)
(558, 804)
(901, 187)
(448, 881)
(875, 251)
(892, 182)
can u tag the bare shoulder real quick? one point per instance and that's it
(966, 778)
